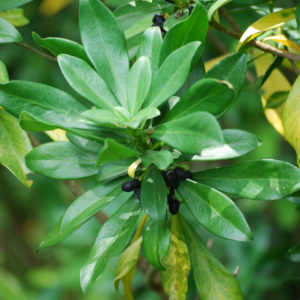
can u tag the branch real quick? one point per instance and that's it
(26, 46)
(257, 44)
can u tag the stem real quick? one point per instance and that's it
(26, 46)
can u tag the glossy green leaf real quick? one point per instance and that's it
(111, 240)
(215, 211)
(191, 133)
(171, 74)
(237, 143)
(102, 116)
(162, 159)
(112, 150)
(190, 30)
(231, 69)
(208, 95)
(139, 81)
(84, 144)
(85, 80)
(8, 33)
(8, 4)
(177, 263)
(15, 17)
(154, 194)
(60, 46)
(14, 145)
(3, 73)
(156, 242)
(294, 254)
(62, 160)
(216, 5)
(212, 280)
(150, 46)
(44, 103)
(82, 209)
(100, 30)
(112, 169)
(264, 179)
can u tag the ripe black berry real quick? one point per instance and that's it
(171, 179)
(190, 8)
(174, 206)
(170, 196)
(158, 20)
(131, 185)
(182, 174)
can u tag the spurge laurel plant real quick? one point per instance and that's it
(138, 139)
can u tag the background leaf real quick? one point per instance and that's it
(8, 4)
(8, 33)
(15, 17)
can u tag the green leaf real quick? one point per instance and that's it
(208, 95)
(156, 242)
(139, 81)
(8, 33)
(264, 179)
(44, 103)
(3, 73)
(212, 280)
(15, 17)
(111, 240)
(190, 30)
(142, 115)
(84, 144)
(218, 4)
(59, 46)
(112, 150)
(154, 194)
(82, 209)
(177, 262)
(150, 46)
(8, 4)
(191, 133)
(294, 254)
(171, 74)
(100, 30)
(112, 169)
(237, 143)
(162, 159)
(297, 14)
(14, 145)
(215, 211)
(86, 82)
(231, 69)
(276, 99)
(102, 116)
(62, 160)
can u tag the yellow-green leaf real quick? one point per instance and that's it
(3, 73)
(291, 121)
(57, 135)
(265, 23)
(15, 17)
(282, 39)
(177, 263)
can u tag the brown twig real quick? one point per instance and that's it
(26, 46)
(257, 44)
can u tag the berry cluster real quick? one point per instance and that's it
(158, 20)
(172, 179)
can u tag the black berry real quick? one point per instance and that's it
(158, 20)
(182, 174)
(174, 206)
(190, 8)
(170, 196)
(131, 185)
(171, 179)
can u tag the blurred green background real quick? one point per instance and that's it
(26, 215)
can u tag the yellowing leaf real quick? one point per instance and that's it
(282, 39)
(275, 83)
(3, 73)
(177, 262)
(291, 120)
(265, 23)
(49, 8)
(14, 16)
(57, 135)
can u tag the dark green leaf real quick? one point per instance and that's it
(112, 150)
(264, 179)
(100, 30)
(232, 69)
(237, 143)
(86, 82)
(60, 46)
(191, 133)
(82, 209)
(294, 254)
(190, 30)
(8, 33)
(162, 159)
(212, 280)
(111, 240)
(276, 99)
(8, 4)
(215, 211)
(156, 242)
(208, 95)
(154, 194)
(62, 160)
(171, 75)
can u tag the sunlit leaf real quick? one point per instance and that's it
(3, 73)
(15, 17)
(282, 39)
